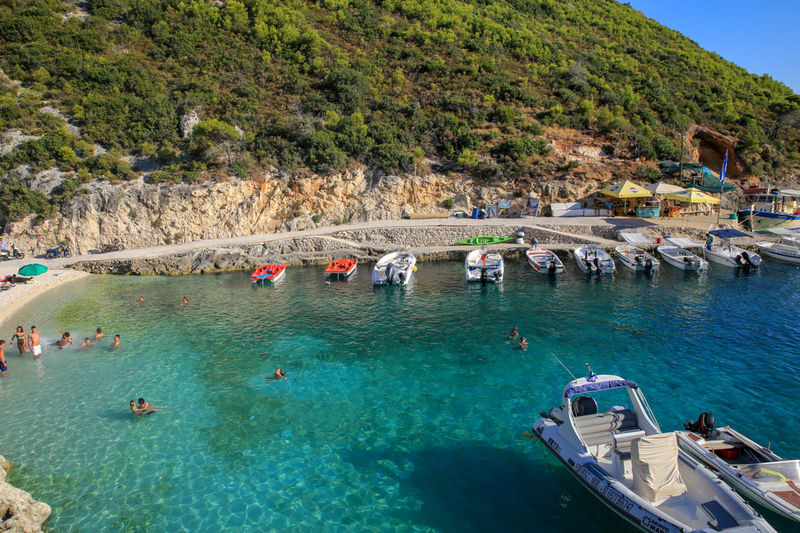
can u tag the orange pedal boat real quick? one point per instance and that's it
(269, 272)
(341, 268)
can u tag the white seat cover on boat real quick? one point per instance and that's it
(654, 463)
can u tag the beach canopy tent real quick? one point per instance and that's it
(728, 233)
(626, 189)
(692, 196)
(34, 269)
(701, 177)
(684, 242)
(662, 187)
(710, 183)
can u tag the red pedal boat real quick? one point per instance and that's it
(341, 268)
(269, 272)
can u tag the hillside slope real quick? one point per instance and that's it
(472, 86)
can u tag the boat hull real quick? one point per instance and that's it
(593, 261)
(725, 256)
(627, 257)
(341, 269)
(484, 266)
(396, 268)
(784, 253)
(742, 484)
(674, 259)
(759, 221)
(544, 261)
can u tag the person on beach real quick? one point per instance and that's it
(3, 366)
(523, 343)
(514, 333)
(34, 342)
(185, 300)
(65, 339)
(22, 342)
(534, 242)
(141, 299)
(99, 334)
(87, 343)
(116, 342)
(135, 410)
(279, 375)
(145, 407)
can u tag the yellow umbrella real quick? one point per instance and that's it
(693, 196)
(626, 189)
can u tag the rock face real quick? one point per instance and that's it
(140, 214)
(19, 512)
(188, 122)
(712, 148)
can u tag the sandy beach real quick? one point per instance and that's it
(14, 298)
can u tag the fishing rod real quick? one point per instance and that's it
(563, 365)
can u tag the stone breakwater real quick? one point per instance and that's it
(433, 242)
(19, 512)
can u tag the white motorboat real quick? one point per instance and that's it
(396, 268)
(682, 258)
(592, 260)
(484, 265)
(726, 254)
(782, 252)
(544, 261)
(755, 471)
(621, 456)
(637, 259)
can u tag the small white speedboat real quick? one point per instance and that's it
(753, 470)
(544, 261)
(726, 254)
(682, 258)
(483, 266)
(621, 456)
(592, 260)
(782, 252)
(637, 259)
(396, 268)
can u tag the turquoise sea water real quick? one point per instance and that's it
(404, 410)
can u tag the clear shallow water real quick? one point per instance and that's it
(404, 409)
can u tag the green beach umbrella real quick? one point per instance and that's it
(34, 269)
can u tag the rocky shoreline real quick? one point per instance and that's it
(428, 243)
(19, 512)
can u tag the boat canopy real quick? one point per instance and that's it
(782, 231)
(603, 382)
(788, 192)
(635, 238)
(728, 233)
(684, 242)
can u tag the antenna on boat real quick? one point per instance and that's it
(565, 366)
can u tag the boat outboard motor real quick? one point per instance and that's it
(389, 273)
(401, 278)
(496, 275)
(596, 264)
(704, 425)
(637, 259)
(648, 266)
(484, 275)
(551, 267)
(748, 264)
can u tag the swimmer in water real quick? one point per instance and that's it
(514, 333)
(185, 300)
(141, 299)
(279, 375)
(145, 407)
(116, 342)
(523, 343)
(135, 410)
(65, 339)
(99, 334)
(87, 342)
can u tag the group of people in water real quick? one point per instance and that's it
(32, 342)
(144, 408)
(521, 341)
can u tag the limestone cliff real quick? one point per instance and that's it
(141, 214)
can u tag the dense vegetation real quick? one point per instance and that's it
(321, 85)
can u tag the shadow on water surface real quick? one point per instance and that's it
(475, 487)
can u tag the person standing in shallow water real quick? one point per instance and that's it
(116, 342)
(20, 336)
(3, 366)
(99, 334)
(35, 342)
